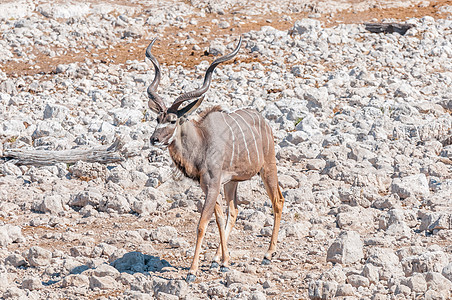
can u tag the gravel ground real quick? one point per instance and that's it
(363, 132)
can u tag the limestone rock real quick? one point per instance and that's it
(346, 249)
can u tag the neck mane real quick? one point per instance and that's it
(185, 150)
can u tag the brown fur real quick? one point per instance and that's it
(184, 165)
(206, 112)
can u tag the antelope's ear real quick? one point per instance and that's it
(154, 107)
(189, 108)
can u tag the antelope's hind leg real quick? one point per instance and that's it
(270, 178)
(230, 194)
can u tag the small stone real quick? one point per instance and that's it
(287, 182)
(358, 280)
(55, 111)
(371, 272)
(103, 283)
(179, 243)
(316, 164)
(257, 295)
(88, 171)
(16, 260)
(438, 282)
(411, 186)
(346, 249)
(38, 256)
(14, 293)
(385, 259)
(51, 204)
(165, 296)
(164, 234)
(217, 48)
(417, 283)
(106, 270)
(174, 287)
(267, 284)
(145, 207)
(131, 261)
(306, 25)
(10, 234)
(77, 280)
(402, 289)
(32, 283)
(322, 289)
(344, 290)
(224, 25)
(447, 271)
(235, 276)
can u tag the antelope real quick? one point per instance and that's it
(220, 148)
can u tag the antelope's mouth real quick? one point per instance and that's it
(161, 145)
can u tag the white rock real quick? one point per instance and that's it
(103, 283)
(4, 282)
(32, 283)
(88, 171)
(322, 289)
(436, 220)
(76, 280)
(358, 280)
(10, 234)
(16, 260)
(58, 10)
(174, 287)
(50, 204)
(106, 270)
(55, 111)
(216, 48)
(371, 272)
(306, 25)
(346, 249)
(387, 260)
(38, 256)
(438, 282)
(447, 271)
(430, 261)
(145, 207)
(164, 234)
(417, 283)
(411, 186)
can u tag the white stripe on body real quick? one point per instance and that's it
(244, 138)
(233, 140)
(268, 135)
(252, 132)
(260, 129)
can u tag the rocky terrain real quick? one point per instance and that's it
(362, 124)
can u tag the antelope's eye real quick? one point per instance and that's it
(172, 118)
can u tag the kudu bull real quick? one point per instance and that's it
(221, 148)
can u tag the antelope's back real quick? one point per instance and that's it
(244, 136)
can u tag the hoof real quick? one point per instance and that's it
(224, 269)
(266, 262)
(214, 265)
(190, 278)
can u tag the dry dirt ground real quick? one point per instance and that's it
(171, 53)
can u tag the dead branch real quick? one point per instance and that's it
(401, 28)
(103, 155)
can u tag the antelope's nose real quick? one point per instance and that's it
(154, 141)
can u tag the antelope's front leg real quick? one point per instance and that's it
(212, 192)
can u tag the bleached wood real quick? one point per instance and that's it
(47, 157)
